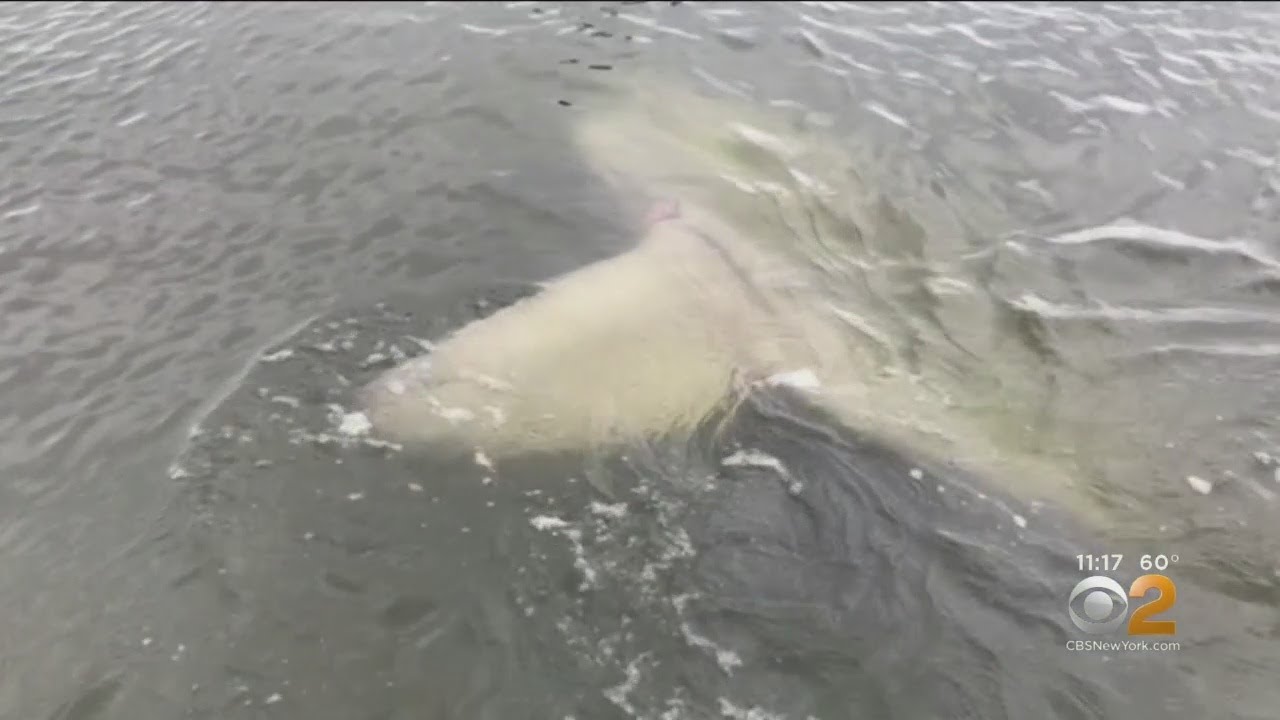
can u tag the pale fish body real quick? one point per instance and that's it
(774, 264)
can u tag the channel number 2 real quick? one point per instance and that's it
(1140, 622)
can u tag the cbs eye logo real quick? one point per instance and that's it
(1098, 605)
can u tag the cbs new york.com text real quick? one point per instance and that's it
(1132, 646)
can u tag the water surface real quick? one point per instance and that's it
(187, 532)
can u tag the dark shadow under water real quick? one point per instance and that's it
(333, 578)
(893, 586)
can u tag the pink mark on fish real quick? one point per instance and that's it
(661, 211)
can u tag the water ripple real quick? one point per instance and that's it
(186, 181)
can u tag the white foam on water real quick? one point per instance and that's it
(1040, 306)
(1199, 484)
(298, 436)
(754, 458)
(618, 693)
(727, 659)
(616, 511)
(729, 710)
(803, 379)
(480, 30)
(580, 561)
(1103, 101)
(548, 522)
(355, 424)
(454, 415)
(887, 114)
(382, 444)
(277, 356)
(22, 212)
(1137, 232)
(764, 139)
(681, 546)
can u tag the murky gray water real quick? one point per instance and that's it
(186, 530)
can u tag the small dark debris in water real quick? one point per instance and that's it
(602, 34)
(627, 38)
(536, 11)
(564, 103)
(675, 2)
(342, 583)
(585, 26)
(570, 61)
(406, 611)
(186, 577)
(611, 12)
(599, 67)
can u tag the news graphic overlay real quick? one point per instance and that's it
(1101, 605)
